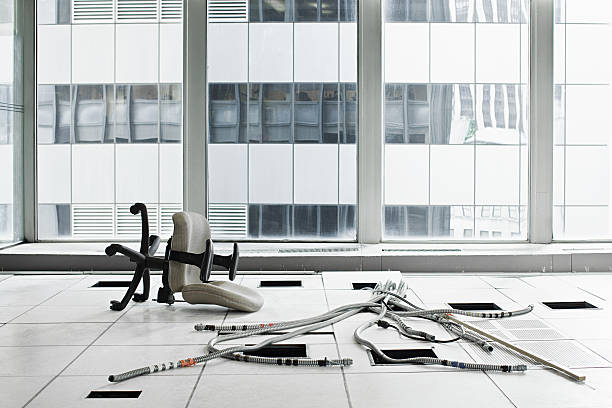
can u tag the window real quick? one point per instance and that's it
(581, 198)
(109, 117)
(455, 116)
(282, 121)
(11, 122)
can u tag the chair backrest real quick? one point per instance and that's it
(191, 231)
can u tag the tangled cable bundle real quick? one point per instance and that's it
(391, 308)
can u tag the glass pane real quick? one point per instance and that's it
(316, 10)
(282, 127)
(455, 118)
(582, 129)
(53, 11)
(93, 106)
(11, 125)
(270, 10)
(104, 116)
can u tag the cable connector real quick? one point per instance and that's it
(486, 346)
(384, 324)
(203, 327)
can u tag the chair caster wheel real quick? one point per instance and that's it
(165, 295)
(139, 297)
(115, 305)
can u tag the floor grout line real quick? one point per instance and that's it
(45, 300)
(195, 386)
(500, 390)
(51, 379)
(76, 358)
(344, 380)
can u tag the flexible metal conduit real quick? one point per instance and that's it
(383, 294)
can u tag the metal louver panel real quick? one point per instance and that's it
(228, 220)
(129, 225)
(92, 220)
(228, 11)
(171, 10)
(166, 213)
(92, 11)
(128, 10)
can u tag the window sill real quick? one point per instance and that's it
(430, 257)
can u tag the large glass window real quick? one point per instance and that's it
(582, 131)
(109, 116)
(282, 115)
(455, 119)
(11, 122)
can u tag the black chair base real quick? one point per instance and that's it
(145, 261)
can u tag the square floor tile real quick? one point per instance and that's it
(8, 313)
(53, 334)
(89, 280)
(546, 389)
(502, 282)
(603, 347)
(271, 391)
(101, 299)
(107, 360)
(154, 334)
(444, 283)
(271, 313)
(69, 314)
(175, 313)
(407, 389)
(16, 391)
(157, 391)
(308, 282)
(36, 361)
(344, 280)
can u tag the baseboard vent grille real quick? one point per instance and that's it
(145, 10)
(171, 10)
(228, 11)
(228, 220)
(166, 212)
(92, 221)
(92, 11)
(129, 225)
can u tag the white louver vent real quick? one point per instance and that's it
(228, 11)
(92, 11)
(129, 225)
(142, 10)
(166, 213)
(171, 10)
(228, 221)
(92, 221)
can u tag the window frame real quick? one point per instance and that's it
(370, 123)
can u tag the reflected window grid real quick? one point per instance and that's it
(244, 114)
(492, 114)
(578, 214)
(107, 113)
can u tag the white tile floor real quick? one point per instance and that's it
(59, 341)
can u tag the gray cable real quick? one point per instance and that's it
(387, 291)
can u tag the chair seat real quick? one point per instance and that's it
(223, 293)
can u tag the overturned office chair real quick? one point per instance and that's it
(186, 266)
